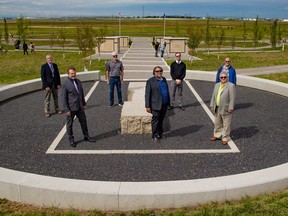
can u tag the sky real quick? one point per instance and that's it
(134, 8)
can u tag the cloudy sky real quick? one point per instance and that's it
(199, 8)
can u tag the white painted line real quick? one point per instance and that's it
(156, 151)
(209, 113)
(56, 141)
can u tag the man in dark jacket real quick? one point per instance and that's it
(156, 101)
(178, 73)
(74, 104)
(51, 83)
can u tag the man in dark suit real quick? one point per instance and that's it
(74, 104)
(51, 83)
(157, 100)
(178, 73)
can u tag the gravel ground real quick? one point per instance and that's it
(259, 128)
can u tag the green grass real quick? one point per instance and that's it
(147, 27)
(275, 204)
(17, 67)
(247, 59)
(280, 77)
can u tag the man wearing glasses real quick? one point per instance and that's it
(178, 73)
(156, 101)
(222, 105)
(114, 76)
(227, 67)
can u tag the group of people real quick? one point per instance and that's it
(158, 96)
(157, 99)
(72, 94)
(25, 48)
(162, 48)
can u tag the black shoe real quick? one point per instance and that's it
(111, 105)
(182, 108)
(72, 143)
(170, 107)
(89, 139)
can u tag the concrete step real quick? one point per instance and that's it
(143, 75)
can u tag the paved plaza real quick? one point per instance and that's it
(34, 144)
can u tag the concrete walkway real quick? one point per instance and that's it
(140, 60)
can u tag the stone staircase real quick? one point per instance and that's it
(140, 60)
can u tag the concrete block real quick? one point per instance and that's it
(134, 118)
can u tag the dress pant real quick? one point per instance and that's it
(83, 122)
(222, 126)
(156, 53)
(54, 92)
(115, 81)
(179, 89)
(157, 120)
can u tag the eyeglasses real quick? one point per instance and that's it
(114, 56)
(223, 77)
(227, 61)
(178, 56)
(157, 71)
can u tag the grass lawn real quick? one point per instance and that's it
(247, 59)
(280, 77)
(17, 67)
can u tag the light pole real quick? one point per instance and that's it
(119, 24)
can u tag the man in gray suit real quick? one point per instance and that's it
(222, 105)
(74, 104)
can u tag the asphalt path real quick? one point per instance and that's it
(259, 128)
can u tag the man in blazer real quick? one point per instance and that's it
(222, 105)
(74, 104)
(157, 100)
(51, 83)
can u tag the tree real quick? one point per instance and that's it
(273, 38)
(256, 32)
(62, 39)
(244, 33)
(6, 32)
(100, 35)
(208, 36)
(52, 36)
(85, 40)
(194, 39)
(279, 35)
(220, 37)
(23, 28)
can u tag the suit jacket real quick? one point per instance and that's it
(227, 98)
(46, 75)
(71, 99)
(153, 96)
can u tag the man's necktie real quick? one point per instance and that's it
(52, 69)
(75, 84)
